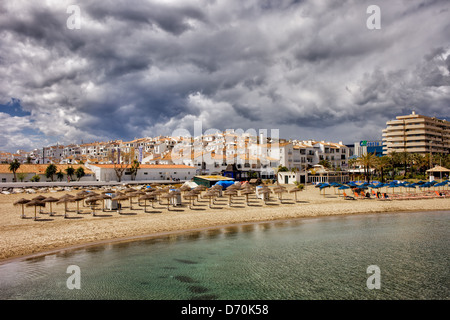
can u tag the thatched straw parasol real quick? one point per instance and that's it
(167, 196)
(92, 201)
(147, 196)
(50, 200)
(65, 199)
(118, 199)
(191, 195)
(264, 191)
(35, 203)
(103, 197)
(129, 190)
(280, 190)
(136, 194)
(246, 192)
(230, 193)
(40, 198)
(295, 190)
(211, 194)
(22, 202)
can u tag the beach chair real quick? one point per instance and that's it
(346, 197)
(440, 195)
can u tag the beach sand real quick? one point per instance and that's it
(21, 237)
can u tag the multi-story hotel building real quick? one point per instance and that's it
(416, 134)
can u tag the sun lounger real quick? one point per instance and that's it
(346, 197)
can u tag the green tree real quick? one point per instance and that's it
(325, 163)
(50, 171)
(21, 176)
(80, 173)
(382, 164)
(368, 161)
(13, 167)
(134, 169)
(70, 171)
(59, 175)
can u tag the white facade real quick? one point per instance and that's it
(107, 172)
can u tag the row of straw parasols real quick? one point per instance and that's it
(166, 194)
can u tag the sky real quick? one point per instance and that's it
(106, 70)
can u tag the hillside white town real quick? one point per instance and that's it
(181, 158)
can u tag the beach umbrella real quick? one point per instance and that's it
(191, 195)
(323, 186)
(103, 197)
(247, 192)
(343, 187)
(145, 197)
(210, 194)
(92, 201)
(280, 190)
(134, 194)
(65, 199)
(22, 202)
(295, 190)
(129, 190)
(83, 193)
(119, 199)
(35, 203)
(77, 199)
(50, 200)
(265, 192)
(158, 193)
(107, 191)
(167, 196)
(230, 194)
(335, 185)
(40, 198)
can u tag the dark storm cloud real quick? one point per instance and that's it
(138, 68)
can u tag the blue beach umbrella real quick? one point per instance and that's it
(318, 185)
(323, 186)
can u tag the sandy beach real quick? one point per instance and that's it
(22, 237)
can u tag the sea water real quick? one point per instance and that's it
(309, 258)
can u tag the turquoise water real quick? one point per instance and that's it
(314, 258)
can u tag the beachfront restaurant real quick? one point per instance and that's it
(321, 175)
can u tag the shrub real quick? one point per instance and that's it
(35, 178)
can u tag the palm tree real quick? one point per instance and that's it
(382, 164)
(70, 172)
(50, 171)
(367, 161)
(79, 173)
(13, 167)
(59, 175)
